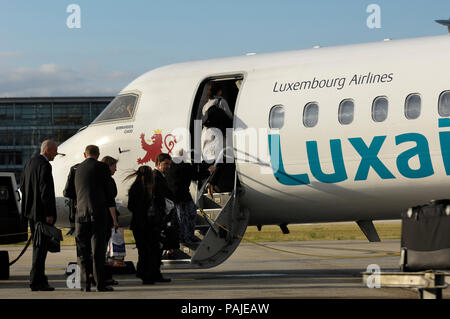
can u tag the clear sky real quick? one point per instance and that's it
(120, 40)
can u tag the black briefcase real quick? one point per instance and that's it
(425, 238)
(50, 234)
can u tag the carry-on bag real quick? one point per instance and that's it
(425, 237)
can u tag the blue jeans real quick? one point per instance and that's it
(187, 215)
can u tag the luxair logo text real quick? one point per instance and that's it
(369, 158)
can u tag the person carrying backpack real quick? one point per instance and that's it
(215, 114)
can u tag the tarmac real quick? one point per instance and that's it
(275, 270)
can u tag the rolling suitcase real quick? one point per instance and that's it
(425, 237)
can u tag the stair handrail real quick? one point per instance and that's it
(202, 189)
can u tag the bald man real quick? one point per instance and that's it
(38, 205)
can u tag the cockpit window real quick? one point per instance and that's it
(121, 108)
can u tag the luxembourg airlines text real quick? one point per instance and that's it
(338, 83)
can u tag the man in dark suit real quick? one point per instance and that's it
(69, 192)
(162, 192)
(38, 205)
(92, 191)
(162, 166)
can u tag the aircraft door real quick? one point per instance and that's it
(219, 203)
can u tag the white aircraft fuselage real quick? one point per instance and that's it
(364, 170)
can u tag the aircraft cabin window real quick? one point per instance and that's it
(444, 103)
(276, 117)
(346, 110)
(311, 114)
(413, 106)
(121, 108)
(380, 109)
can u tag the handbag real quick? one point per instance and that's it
(116, 244)
(169, 207)
(50, 234)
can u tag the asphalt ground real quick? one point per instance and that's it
(325, 270)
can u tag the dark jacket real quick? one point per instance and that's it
(111, 201)
(69, 189)
(179, 180)
(38, 190)
(169, 236)
(92, 185)
(161, 190)
(138, 204)
(112, 192)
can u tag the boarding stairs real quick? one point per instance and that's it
(221, 224)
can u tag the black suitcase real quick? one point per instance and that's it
(425, 237)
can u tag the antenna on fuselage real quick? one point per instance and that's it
(444, 22)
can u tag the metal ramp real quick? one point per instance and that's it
(221, 224)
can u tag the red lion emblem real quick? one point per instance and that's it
(155, 148)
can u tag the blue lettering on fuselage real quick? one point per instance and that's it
(277, 164)
(444, 139)
(369, 159)
(339, 174)
(421, 150)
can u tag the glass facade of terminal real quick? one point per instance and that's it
(26, 122)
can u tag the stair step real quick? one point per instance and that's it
(177, 263)
(188, 249)
(185, 251)
(221, 198)
(201, 230)
(218, 200)
(179, 254)
(212, 213)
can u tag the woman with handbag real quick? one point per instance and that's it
(146, 225)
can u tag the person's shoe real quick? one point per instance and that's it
(34, 288)
(105, 288)
(92, 281)
(47, 288)
(111, 282)
(148, 282)
(163, 279)
(42, 288)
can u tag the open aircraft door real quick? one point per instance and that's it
(221, 219)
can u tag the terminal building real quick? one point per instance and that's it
(26, 122)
